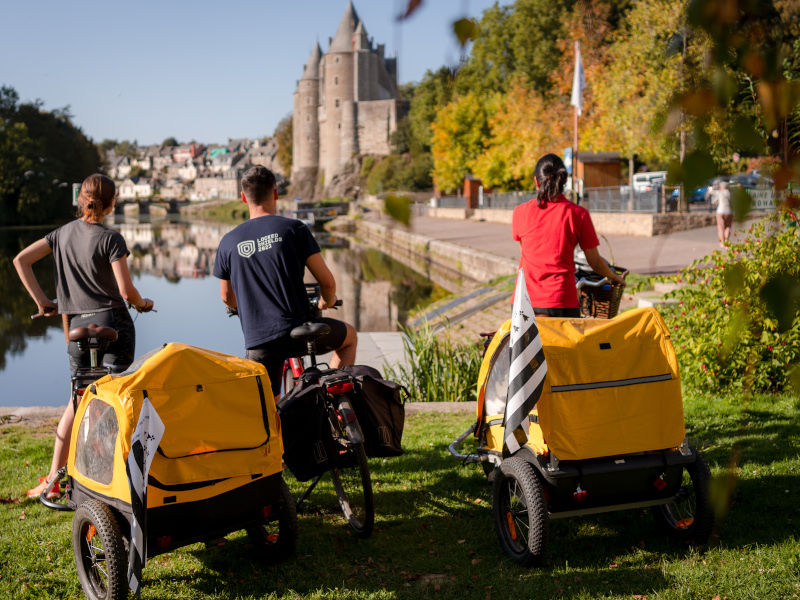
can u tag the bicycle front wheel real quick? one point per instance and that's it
(353, 487)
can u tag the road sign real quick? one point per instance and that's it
(76, 191)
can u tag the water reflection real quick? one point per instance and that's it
(171, 262)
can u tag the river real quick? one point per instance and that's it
(171, 262)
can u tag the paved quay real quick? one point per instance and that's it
(660, 254)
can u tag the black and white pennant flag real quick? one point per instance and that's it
(144, 443)
(527, 371)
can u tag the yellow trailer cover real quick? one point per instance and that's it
(612, 386)
(221, 426)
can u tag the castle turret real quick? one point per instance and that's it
(338, 129)
(305, 120)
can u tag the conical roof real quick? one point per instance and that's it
(311, 70)
(343, 40)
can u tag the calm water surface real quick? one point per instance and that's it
(171, 263)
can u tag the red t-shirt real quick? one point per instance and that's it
(548, 237)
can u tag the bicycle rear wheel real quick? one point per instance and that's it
(353, 487)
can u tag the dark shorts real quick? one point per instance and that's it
(566, 313)
(119, 354)
(273, 353)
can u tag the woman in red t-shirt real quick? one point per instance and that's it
(548, 229)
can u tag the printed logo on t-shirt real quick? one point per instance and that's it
(249, 247)
(246, 248)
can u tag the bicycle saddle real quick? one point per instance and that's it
(98, 332)
(309, 331)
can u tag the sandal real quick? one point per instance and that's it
(55, 492)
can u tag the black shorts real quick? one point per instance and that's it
(273, 353)
(119, 354)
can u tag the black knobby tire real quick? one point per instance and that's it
(520, 512)
(690, 517)
(353, 487)
(99, 550)
(276, 537)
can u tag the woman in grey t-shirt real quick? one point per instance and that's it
(93, 283)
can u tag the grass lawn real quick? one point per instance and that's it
(434, 535)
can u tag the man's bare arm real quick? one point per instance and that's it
(226, 292)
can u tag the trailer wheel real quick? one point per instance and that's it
(690, 517)
(520, 512)
(99, 552)
(276, 536)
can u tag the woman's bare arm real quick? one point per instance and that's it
(600, 266)
(23, 263)
(126, 288)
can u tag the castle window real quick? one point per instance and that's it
(337, 103)
(308, 118)
(336, 59)
(335, 81)
(340, 125)
(308, 99)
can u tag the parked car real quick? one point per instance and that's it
(697, 196)
(644, 182)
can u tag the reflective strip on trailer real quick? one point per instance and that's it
(607, 384)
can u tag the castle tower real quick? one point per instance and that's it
(346, 104)
(338, 117)
(305, 119)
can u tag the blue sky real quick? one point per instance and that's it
(197, 69)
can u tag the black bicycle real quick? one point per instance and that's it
(321, 431)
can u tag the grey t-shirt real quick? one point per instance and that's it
(83, 254)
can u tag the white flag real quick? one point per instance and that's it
(144, 444)
(578, 81)
(527, 368)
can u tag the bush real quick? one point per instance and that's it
(736, 322)
(438, 371)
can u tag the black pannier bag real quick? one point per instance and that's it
(308, 446)
(380, 411)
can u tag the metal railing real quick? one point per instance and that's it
(619, 199)
(507, 200)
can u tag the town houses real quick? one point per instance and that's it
(194, 172)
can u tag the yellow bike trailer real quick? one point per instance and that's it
(217, 467)
(607, 433)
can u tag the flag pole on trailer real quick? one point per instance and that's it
(578, 85)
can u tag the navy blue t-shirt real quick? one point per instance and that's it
(264, 259)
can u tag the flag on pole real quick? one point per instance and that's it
(578, 81)
(527, 371)
(144, 443)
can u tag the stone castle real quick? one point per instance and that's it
(346, 105)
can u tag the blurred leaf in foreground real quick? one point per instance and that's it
(399, 208)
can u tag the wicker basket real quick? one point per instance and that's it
(602, 302)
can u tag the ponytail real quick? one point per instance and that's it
(97, 194)
(552, 176)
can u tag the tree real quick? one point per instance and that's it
(636, 84)
(460, 134)
(283, 137)
(41, 153)
(524, 127)
(170, 142)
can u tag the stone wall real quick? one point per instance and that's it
(430, 254)
(376, 120)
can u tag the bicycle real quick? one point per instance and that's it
(95, 340)
(348, 465)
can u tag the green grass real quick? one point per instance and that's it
(434, 534)
(232, 213)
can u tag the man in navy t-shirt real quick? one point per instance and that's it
(260, 265)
